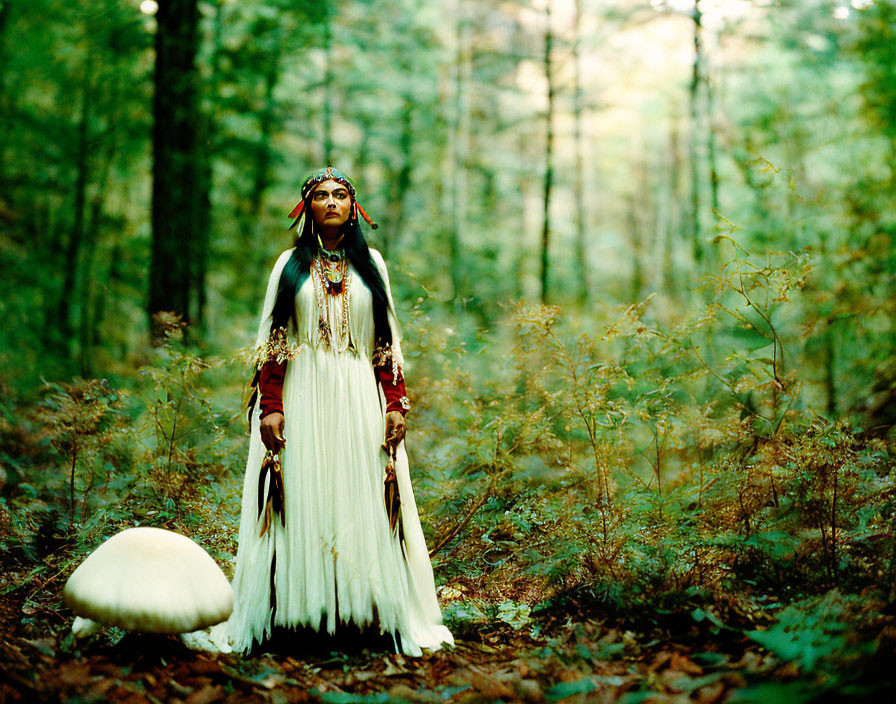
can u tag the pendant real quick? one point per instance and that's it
(323, 329)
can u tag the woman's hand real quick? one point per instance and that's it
(394, 428)
(272, 432)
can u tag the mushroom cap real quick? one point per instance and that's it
(152, 580)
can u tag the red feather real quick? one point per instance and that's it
(297, 210)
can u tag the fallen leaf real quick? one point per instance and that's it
(530, 690)
(208, 694)
(489, 686)
(273, 680)
(683, 664)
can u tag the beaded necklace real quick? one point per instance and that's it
(325, 288)
(334, 266)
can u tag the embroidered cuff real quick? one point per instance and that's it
(391, 380)
(385, 357)
(402, 405)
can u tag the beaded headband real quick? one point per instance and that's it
(328, 174)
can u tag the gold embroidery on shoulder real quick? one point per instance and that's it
(278, 348)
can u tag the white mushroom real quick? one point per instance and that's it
(151, 580)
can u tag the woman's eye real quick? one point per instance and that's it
(322, 196)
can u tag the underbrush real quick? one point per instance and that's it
(663, 472)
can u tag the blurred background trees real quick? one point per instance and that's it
(705, 191)
(577, 152)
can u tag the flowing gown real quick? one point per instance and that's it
(336, 558)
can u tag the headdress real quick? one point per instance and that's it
(328, 174)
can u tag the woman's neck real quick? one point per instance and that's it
(331, 239)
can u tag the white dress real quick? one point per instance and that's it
(336, 557)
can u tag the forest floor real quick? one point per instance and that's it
(567, 652)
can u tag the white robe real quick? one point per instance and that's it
(336, 546)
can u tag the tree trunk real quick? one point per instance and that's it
(669, 208)
(200, 240)
(175, 189)
(262, 176)
(199, 260)
(524, 246)
(263, 153)
(76, 237)
(401, 181)
(5, 126)
(87, 291)
(694, 96)
(363, 163)
(460, 138)
(328, 89)
(548, 154)
(711, 144)
(637, 253)
(579, 166)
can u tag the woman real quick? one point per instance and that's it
(330, 389)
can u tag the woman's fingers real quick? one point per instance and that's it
(267, 438)
(395, 428)
(278, 433)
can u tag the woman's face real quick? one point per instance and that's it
(331, 204)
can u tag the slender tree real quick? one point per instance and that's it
(579, 163)
(5, 8)
(401, 177)
(548, 152)
(671, 224)
(328, 88)
(711, 141)
(463, 69)
(82, 179)
(694, 99)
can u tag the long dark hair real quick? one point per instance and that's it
(298, 268)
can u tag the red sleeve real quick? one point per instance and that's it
(393, 389)
(270, 384)
(387, 368)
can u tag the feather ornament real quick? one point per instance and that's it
(271, 505)
(391, 496)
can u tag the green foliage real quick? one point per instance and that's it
(660, 456)
(83, 419)
(813, 632)
(181, 430)
(649, 453)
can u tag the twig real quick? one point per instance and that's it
(463, 524)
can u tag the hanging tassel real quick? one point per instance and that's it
(366, 217)
(252, 392)
(391, 497)
(273, 504)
